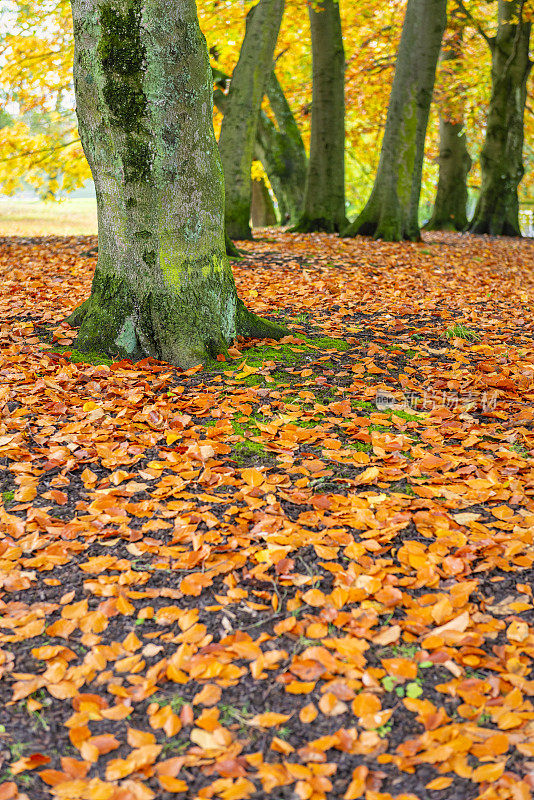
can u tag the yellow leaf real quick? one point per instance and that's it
(517, 631)
(246, 371)
(269, 719)
(314, 597)
(139, 738)
(172, 784)
(488, 772)
(308, 713)
(439, 783)
(252, 476)
(369, 475)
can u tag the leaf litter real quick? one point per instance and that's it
(305, 572)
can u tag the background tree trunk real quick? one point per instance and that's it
(162, 286)
(392, 210)
(280, 149)
(501, 159)
(240, 121)
(282, 153)
(450, 207)
(262, 211)
(324, 199)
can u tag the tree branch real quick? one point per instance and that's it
(52, 149)
(489, 41)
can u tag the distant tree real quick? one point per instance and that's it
(240, 121)
(282, 153)
(278, 146)
(392, 210)
(501, 159)
(262, 209)
(162, 286)
(450, 207)
(324, 197)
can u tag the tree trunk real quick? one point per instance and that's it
(501, 159)
(324, 198)
(282, 153)
(450, 207)
(280, 149)
(162, 286)
(392, 210)
(240, 122)
(262, 210)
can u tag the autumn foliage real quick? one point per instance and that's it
(303, 573)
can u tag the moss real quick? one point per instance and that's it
(362, 404)
(123, 58)
(77, 357)
(328, 343)
(8, 497)
(246, 450)
(361, 447)
(285, 354)
(405, 415)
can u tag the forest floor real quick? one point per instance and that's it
(304, 573)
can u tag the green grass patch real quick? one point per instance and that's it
(459, 331)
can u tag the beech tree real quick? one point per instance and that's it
(240, 121)
(324, 198)
(450, 207)
(262, 211)
(282, 153)
(163, 286)
(391, 212)
(279, 146)
(501, 159)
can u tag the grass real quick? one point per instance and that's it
(459, 331)
(39, 218)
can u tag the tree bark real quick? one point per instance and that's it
(450, 207)
(280, 149)
(163, 286)
(392, 210)
(324, 197)
(282, 153)
(262, 211)
(240, 122)
(501, 159)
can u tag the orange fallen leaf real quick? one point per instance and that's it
(174, 785)
(442, 782)
(269, 719)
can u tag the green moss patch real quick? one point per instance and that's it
(77, 357)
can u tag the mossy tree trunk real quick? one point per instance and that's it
(262, 209)
(391, 212)
(279, 147)
(450, 206)
(240, 121)
(324, 198)
(281, 151)
(501, 159)
(163, 286)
